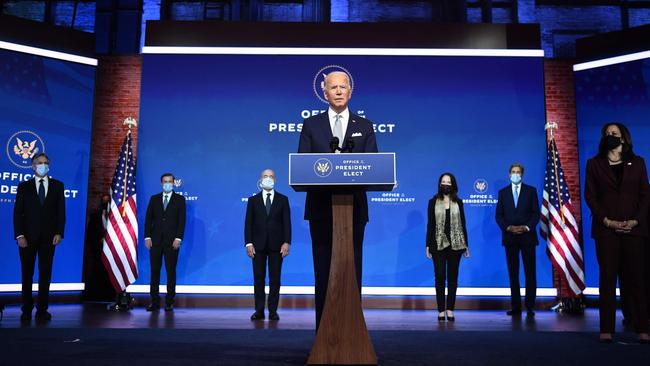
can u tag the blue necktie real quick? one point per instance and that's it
(165, 202)
(41, 191)
(268, 203)
(516, 196)
(338, 130)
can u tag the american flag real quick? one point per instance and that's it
(121, 235)
(558, 226)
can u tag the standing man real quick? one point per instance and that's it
(164, 226)
(517, 215)
(267, 234)
(317, 136)
(39, 221)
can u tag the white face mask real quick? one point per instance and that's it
(267, 183)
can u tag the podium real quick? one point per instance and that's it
(342, 336)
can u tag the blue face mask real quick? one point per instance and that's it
(42, 169)
(167, 187)
(515, 178)
(267, 183)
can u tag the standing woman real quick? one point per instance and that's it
(446, 241)
(617, 192)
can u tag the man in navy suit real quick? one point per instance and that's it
(267, 234)
(319, 135)
(164, 226)
(39, 221)
(517, 215)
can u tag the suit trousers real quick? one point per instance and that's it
(260, 260)
(624, 254)
(44, 250)
(445, 264)
(527, 251)
(156, 255)
(321, 244)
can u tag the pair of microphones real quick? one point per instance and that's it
(334, 145)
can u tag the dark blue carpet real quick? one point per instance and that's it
(57, 346)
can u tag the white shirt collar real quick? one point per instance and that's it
(345, 115)
(514, 186)
(46, 182)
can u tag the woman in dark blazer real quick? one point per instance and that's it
(446, 242)
(617, 192)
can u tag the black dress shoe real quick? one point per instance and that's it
(152, 307)
(513, 313)
(169, 307)
(530, 314)
(257, 316)
(43, 316)
(25, 316)
(274, 316)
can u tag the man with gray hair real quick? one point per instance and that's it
(336, 130)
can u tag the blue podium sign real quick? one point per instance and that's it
(371, 171)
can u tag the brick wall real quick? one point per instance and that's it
(560, 108)
(117, 96)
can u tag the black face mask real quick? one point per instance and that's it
(445, 189)
(612, 142)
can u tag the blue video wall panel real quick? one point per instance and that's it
(216, 121)
(45, 106)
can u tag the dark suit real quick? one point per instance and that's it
(39, 223)
(623, 200)
(267, 233)
(525, 213)
(315, 137)
(163, 226)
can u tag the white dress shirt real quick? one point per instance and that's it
(345, 118)
(517, 187)
(46, 183)
(264, 195)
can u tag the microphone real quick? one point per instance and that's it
(334, 144)
(349, 146)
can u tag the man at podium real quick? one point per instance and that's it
(335, 130)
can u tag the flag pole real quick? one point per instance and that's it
(124, 300)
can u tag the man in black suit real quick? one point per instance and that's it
(517, 214)
(164, 226)
(267, 234)
(319, 133)
(39, 222)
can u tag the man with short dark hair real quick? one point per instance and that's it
(164, 227)
(39, 222)
(517, 214)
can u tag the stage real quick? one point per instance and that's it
(89, 335)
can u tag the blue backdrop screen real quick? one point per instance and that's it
(216, 121)
(45, 106)
(614, 93)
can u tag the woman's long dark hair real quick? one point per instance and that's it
(628, 152)
(454, 188)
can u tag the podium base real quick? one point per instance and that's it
(342, 337)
